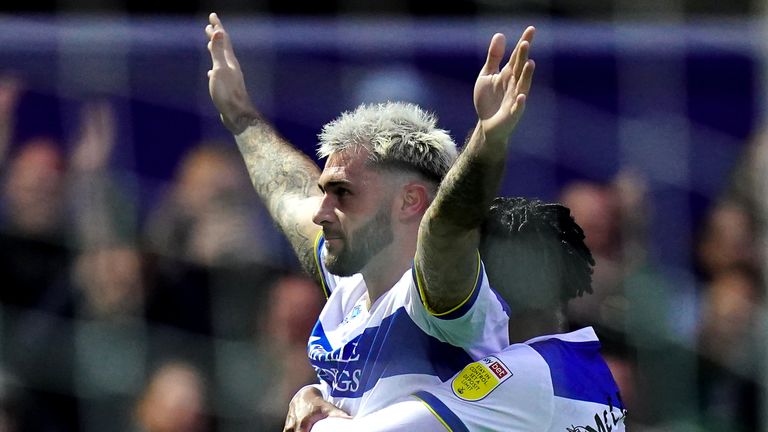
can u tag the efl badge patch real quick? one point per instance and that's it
(478, 379)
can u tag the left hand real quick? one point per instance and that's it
(226, 83)
(307, 408)
(500, 94)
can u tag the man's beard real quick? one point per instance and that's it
(361, 245)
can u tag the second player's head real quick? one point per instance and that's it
(534, 254)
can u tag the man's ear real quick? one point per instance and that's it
(415, 199)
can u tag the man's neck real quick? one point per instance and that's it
(383, 272)
(530, 323)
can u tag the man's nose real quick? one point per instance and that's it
(325, 211)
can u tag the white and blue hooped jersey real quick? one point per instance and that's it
(368, 359)
(557, 383)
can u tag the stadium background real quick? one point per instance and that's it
(662, 102)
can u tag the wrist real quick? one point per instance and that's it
(492, 137)
(237, 124)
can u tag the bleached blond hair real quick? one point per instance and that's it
(398, 135)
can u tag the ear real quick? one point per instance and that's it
(415, 199)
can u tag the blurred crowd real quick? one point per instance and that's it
(188, 317)
(183, 319)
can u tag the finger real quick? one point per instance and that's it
(526, 78)
(289, 424)
(213, 18)
(331, 410)
(216, 47)
(495, 54)
(520, 54)
(526, 36)
(220, 37)
(215, 27)
(338, 413)
(304, 425)
(512, 101)
(518, 107)
(229, 50)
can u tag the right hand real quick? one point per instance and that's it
(225, 80)
(501, 91)
(307, 408)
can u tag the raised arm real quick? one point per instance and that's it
(283, 176)
(449, 234)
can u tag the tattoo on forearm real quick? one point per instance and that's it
(466, 191)
(278, 171)
(458, 210)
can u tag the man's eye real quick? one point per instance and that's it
(342, 192)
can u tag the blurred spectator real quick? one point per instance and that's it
(728, 335)
(634, 307)
(293, 306)
(103, 210)
(208, 217)
(723, 387)
(108, 275)
(37, 343)
(597, 208)
(110, 282)
(174, 401)
(204, 235)
(624, 372)
(749, 187)
(33, 191)
(727, 240)
(50, 206)
(44, 197)
(78, 291)
(33, 255)
(108, 289)
(729, 346)
(730, 302)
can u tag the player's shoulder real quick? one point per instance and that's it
(577, 369)
(579, 345)
(569, 356)
(522, 355)
(512, 387)
(547, 363)
(583, 387)
(529, 368)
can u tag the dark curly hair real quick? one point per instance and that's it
(534, 253)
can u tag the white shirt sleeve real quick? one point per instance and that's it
(479, 324)
(509, 391)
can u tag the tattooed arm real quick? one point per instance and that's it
(284, 177)
(449, 234)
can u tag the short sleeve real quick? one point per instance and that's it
(510, 391)
(479, 324)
